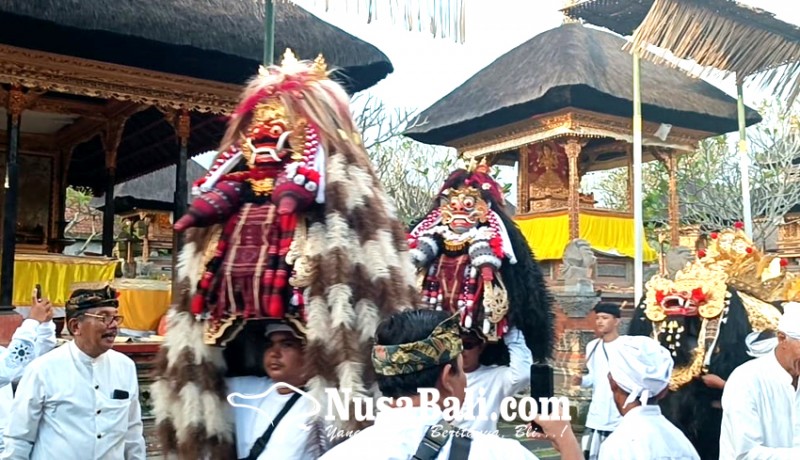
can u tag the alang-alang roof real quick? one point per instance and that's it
(580, 67)
(220, 40)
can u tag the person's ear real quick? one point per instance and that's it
(447, 378)
(73, 326)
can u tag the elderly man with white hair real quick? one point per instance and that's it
(639, 373)
(761, 402)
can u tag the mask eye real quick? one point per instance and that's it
(469, 202)
(275, 131)
(453, 202)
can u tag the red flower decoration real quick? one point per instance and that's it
(749, 250)
(698, 296)
(714, 236)
(701, 253)
(784, 262)
(738, 225)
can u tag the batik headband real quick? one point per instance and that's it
(85, 299)
(442, 346)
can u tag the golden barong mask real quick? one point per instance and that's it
(272, 135)
(463, 209)
(695, 291)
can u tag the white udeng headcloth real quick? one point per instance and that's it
(790, 321)
(757, 348)
(640, 366)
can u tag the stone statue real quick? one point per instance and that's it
(677, 259)
(578, 267)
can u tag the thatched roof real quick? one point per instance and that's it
(579, 67)
(720, 34)
(152, 192)
(219, 40)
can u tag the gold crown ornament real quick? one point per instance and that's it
(749, 270)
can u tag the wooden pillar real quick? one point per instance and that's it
(669, 159)
(181, 182)
(523, 181)
(674, 211)
(111, 139)
(573, 149)
(15, 106)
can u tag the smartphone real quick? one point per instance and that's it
(38, 292)
(541, 386)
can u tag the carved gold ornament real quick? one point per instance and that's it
(696, 290)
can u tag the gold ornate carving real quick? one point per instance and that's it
(184, 126)
(64, 74)
(569, 122)
(573, 150)
(16, 103)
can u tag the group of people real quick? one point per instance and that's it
(79, 400)
(760, 399)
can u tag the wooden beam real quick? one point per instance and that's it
(29, 142)
(84, 77)
(86, 128)
(112, 136)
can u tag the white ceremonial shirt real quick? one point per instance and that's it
(289, 440)
(397, 433)
(645, 434)
(603, 413)
(31, 339)
(760, 413)
(64, 409)
(496, 383)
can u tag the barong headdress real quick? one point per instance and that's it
(346, 264)
(440, 347)
(84, 299)
(640, 366)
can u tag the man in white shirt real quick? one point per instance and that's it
(639, 373)
(421, 350)
(761, 402)
(34, 337)
(491, 384)
(80, 401)
(257, 401)
(603, 416)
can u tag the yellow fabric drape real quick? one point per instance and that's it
(548, 235)
(142, 302)
(143, 309)
(56, 274)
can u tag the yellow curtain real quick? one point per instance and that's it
(142, 309)
(56, 274)
(548, 234)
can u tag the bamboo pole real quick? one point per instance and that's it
(269, 32)
(744, 161)
(638, 217)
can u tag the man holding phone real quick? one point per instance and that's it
(81, 400)
(34, 337)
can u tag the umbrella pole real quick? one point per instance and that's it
(638, 218)
(269, 33)
(744, 162)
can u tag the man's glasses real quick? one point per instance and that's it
(106, 319)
